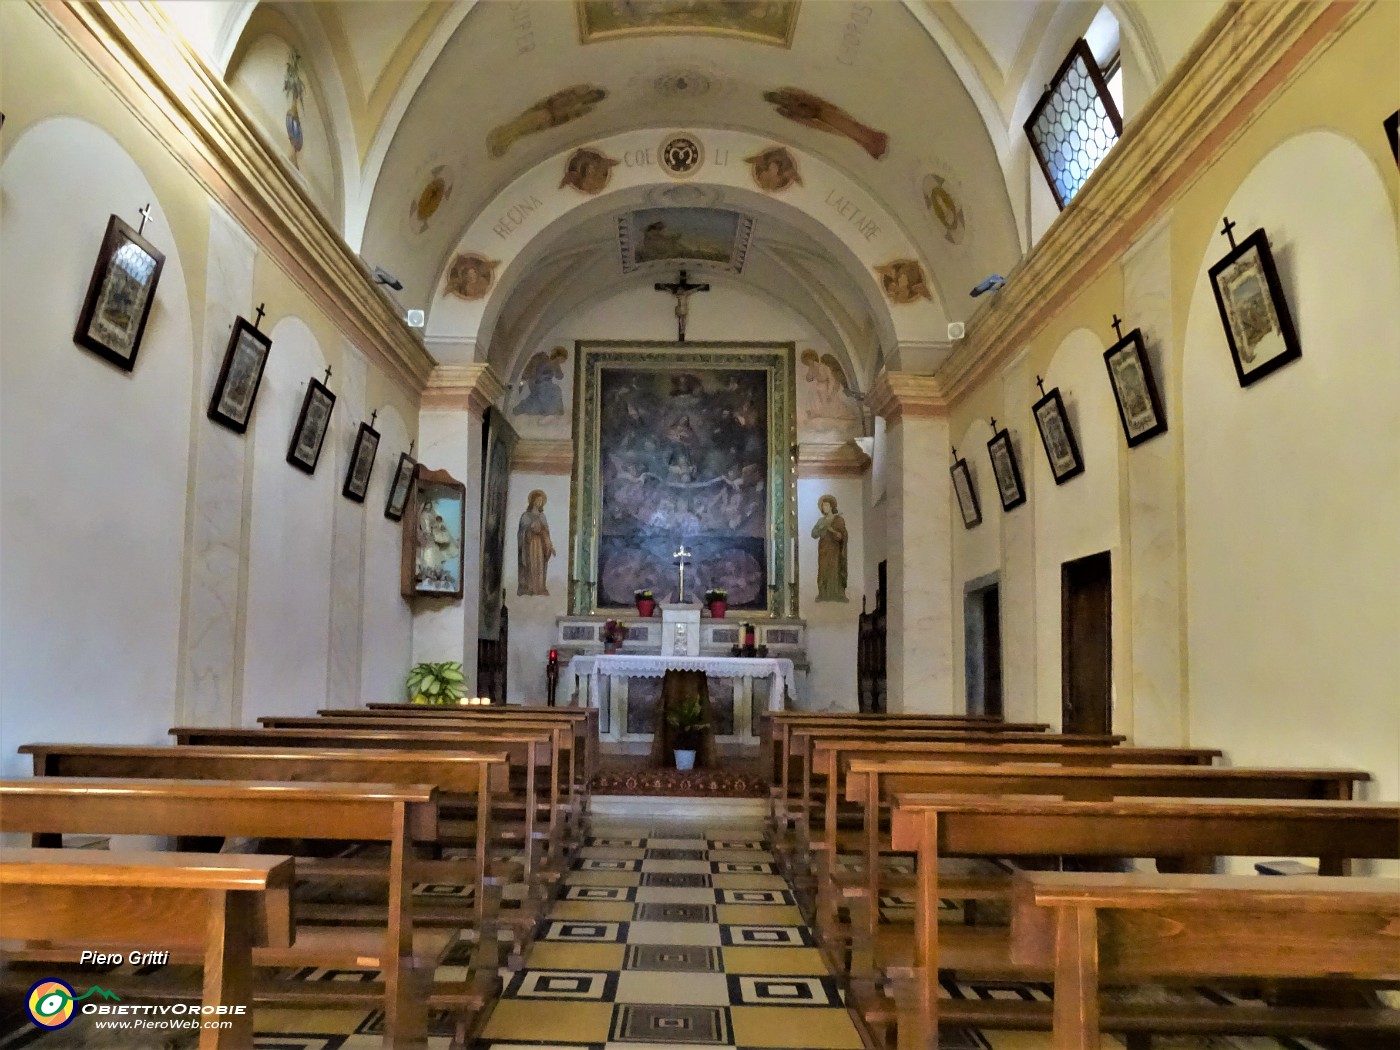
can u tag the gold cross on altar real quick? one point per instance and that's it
(682, 556)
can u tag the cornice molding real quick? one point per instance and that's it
(896, 395)
(187, 107)
(839, 459)
(471, 388)
(1250, 52)
(543, 456)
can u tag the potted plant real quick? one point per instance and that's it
(440, 683)
(646, 602)
(718, 601)
(686, 719)
(614, 634)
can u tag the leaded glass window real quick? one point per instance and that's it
(1074, 124)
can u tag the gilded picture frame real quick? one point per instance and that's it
(120, 295)
(688, 442)
(434, 529)
(1254, 310)
(1057, 437)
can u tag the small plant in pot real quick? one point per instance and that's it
(718, 601)
(646, 602)
(687, 721)
(439, 683)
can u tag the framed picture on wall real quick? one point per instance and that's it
(1135, 389)
(239, 377)
(432, 537)
(361, 463)
(1392, 132)
(967, 495)
(119, 296)
(401, 487)
(1057, 436)
(1006, 470)
(1253, 309)
(312, 424)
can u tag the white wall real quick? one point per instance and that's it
(1292, 489)
(388, 620)
(95, 460)
(289, 563)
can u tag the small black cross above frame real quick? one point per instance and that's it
(682, 289)
(327, 380)
(1228, 230)
(257, 321)
(145, 214)
(1117, 329)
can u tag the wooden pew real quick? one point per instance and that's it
(561, 734)
(215, 909)
(398, 815)
(870, 784)
(1177, 830)
(472, 779)
(1094, 928)
(585, 718)
(526, 749)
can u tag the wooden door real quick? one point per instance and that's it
(1086, 643)
(991, 651)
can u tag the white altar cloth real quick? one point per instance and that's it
(778, 671)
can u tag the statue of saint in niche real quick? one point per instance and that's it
(831, 536)
(534, 547)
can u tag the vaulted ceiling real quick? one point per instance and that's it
(438, 115)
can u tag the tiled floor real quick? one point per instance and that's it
(676, 939)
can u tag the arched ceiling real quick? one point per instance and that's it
(916, 102)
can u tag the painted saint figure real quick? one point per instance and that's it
(534, 547)
(831, 536)
(541, 378)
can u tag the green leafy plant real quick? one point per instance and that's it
(440, 683)
(687, 718)
(717, 594)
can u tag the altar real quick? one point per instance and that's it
(625, 689)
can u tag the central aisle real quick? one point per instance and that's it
(673, 937)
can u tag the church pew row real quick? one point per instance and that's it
(471, 780)
(1096, 928)
(396, 816)
(870, 785)
(797, 759)
(585, 719)
(564, 744)
(530, 753)
(213, 909)
(1173, 832)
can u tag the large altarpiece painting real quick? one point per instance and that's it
(682, 443)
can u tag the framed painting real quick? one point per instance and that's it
(498, 441)
(1006, 470)
(683, 444)
(239, 377)
(713, 237)
(967, 495)
(119, 296)
(1057, 436)
(400, 488)
(312, 424)
(432, 537)
(1135, 389)
(1253, 309)
(766, 23)
(361, 463)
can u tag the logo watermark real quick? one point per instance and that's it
(51, 1003)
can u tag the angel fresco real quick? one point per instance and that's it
(558, 109)
(903, 281)
(773, 169)
(541, 378)
(588, 171)
(815, 112)
(471, 275)
(832, 402)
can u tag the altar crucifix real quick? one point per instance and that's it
(682, 289)
(682, 556)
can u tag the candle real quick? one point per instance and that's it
(772, 562)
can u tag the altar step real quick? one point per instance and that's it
(679, 807)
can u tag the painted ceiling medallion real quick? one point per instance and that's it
(681, 155)
(944, 207)
(814, 111)
(471, 275)
(773, 169)
(432, 197)
(764, 22)
(558, 109)
(588, 171)
(903, 282)
(683, 83)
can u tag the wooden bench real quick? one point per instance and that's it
(1177, 830)
(526, 750)
(469, 779)
(219, 908)
(398, 815)
(1099, 928)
